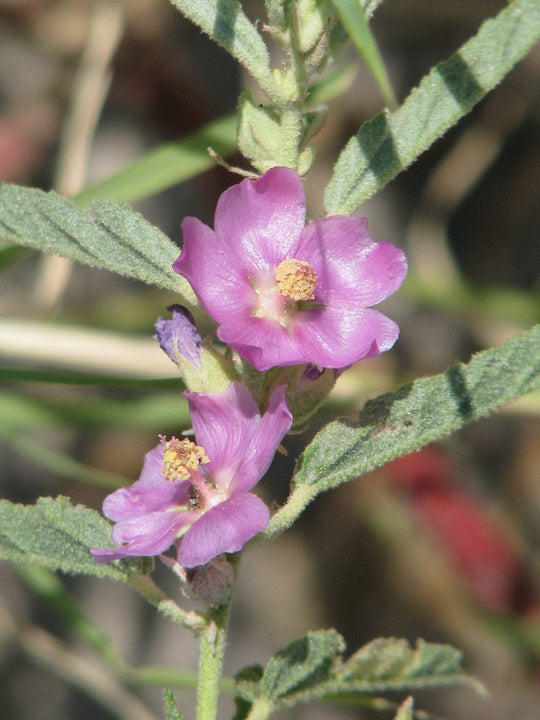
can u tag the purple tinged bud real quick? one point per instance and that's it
(179, 336)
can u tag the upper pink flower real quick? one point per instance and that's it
(198, 496)
(284, 293)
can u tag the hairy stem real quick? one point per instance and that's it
(212, 649)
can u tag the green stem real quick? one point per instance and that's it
(148, 589)
(260, 710)
(212, 649)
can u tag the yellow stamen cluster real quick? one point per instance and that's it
(296, 279)
(181, 456)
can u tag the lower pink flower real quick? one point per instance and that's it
(196, 496)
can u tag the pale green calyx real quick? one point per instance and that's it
(268, 136)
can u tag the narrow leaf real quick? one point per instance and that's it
(74, 377)
(406, 709)
(399, 422)
(59, 463)
(390, 142)
(56, 534)
(229, 26)
(166, 165)
(171, 709)
(50, 589)
(354, 21)
(154, 412)
(109, 235)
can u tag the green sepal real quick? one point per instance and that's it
(304, 401)
(275, 10)
(265, 136)
(313, 20)
(217, 371)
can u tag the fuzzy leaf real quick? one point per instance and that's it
(390, 142)
(390, 664)
(109, 235)
(313, 668)
(229, 26)
(303, 664)
(399, 422)
(56, 534)
(171, 709)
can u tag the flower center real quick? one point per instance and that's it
(181, 456)
(296, 279)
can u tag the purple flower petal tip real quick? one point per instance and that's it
(179, 336)
(283, 293)
(211, 511)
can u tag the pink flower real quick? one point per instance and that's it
(197, 495)
(284, 293)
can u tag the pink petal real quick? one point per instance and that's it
(261, 220)
(149, 493)
(147, 535)
(263, 342)
(225, 528)
(352, 270)
(228, 426)
(275, 422)
(219, 280)
(336, 339)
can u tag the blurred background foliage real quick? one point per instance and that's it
(442, 544)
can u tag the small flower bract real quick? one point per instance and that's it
(196, 496)
(285, 293)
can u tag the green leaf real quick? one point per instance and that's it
(354, 21)
(313, 668)
(154, 412)
(229, 26)
(75, 377)
(416, 414)
(303, 664)
(171, 710)
(59, 463)
(390, 664)
(399, 422)
(390, 142)
(108, 234)
(56, 534)
(332, 85)
(50, 589)
(167, 165)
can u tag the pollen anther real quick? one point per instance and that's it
(296, 279)
(181, 456)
